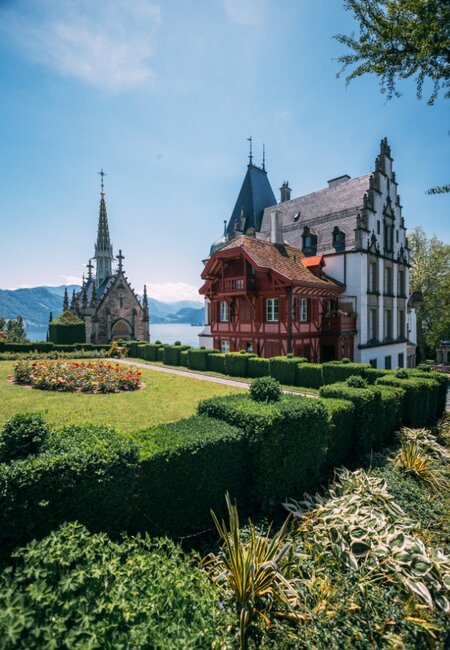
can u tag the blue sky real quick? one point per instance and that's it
(163, 95)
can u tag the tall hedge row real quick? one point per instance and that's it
(171, 354)
(284, 369)
(85, 473)
(421, 400)
(40, 346)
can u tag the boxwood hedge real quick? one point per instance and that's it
(216, 363)
(236, 363)
(335, 372)
(308, 375)
(421, 398)
(258, 367)
(185, 469)
(198, 359)
(284, 369)
(171, 354)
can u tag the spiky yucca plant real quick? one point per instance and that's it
(253, 571)
(413, 460)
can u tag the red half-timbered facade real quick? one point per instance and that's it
(272, 300)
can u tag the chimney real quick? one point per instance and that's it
(285, 192)
(338, 180)
(276, 230)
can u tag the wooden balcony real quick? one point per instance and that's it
(237, 285)
(339, 324)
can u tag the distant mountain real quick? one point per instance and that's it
(36, 303)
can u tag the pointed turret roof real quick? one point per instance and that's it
(255, 195)
(103, 239)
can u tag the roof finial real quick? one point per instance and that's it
(225, 227)
(102, 174)
(120, 257)
(264, 158)
(250, 155)
(90, 266)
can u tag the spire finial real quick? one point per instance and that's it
(224, 226)
(90, 266)
(120, 257)
(264, 158)
(250, 155)
(102, 174)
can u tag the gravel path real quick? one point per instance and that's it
(202, 377)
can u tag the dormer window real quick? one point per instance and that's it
(338, 239)
(309, 242)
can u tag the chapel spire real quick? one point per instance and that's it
(103, 246)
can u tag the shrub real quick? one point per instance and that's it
(184, 358)
(171, 354)
(424, 367)
(308, 375)
(265, 389)
(179, 343)
(132, 347)
(75, 589)
(421, 398)
(150, 351)
(257, 367)
(402, 373)
(372, 374)
(67, 328)
(160, 354)
(216, 363)
(441, 379)
(284, 369)
(236, 363)
(367, 424)
(345, 360)
(84, 473)
(22, 435)
(287, 443)
(356, 381)
(186, 468)
(198, 359)
(392, 399)
(340, 438)
(336, 372)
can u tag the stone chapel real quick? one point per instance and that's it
(106, 301)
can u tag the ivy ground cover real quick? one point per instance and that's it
(164, 398)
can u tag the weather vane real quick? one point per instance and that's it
(102, 174)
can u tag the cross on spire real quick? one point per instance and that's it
(102, 174)
(120, 257)
(250, 155)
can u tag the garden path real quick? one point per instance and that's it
(201, 376)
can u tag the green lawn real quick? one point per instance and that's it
(165, 398)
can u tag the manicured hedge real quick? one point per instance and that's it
(392, 399)
(198, 359)
(140, 350)
(171, 354)
(216, 363)
(84, 473)
(186, 468)
(421, 399)
(334, 372)
(284, 369)
(236, 363)
(340, 436)
(442, 380)
(258, 367)
(150, 351)
(26, 347)
(308, 375)
(160, 354)
(287, 443)
(66, 329)
(132, 347)
(372, 374)
(368, 426)
(184, 358)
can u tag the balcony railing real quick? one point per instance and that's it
(339, 323)
(238, 284)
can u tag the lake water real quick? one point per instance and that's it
(187, 334)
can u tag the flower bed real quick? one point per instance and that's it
(76, 376)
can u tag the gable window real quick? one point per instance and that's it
(338, 239)
(303, 310)
(272, 310)
(224, 312)
(309, 242)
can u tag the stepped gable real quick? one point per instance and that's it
(282, 259)
(322, 211)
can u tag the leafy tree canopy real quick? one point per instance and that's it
(12, 331)
(399, 39)
(430, 274)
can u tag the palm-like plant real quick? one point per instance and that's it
(252, 570)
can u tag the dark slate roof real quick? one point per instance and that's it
(255, 195)
(103, 287)
(322, 211)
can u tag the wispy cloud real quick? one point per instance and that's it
(173, 291)
(245, 12)
(107, 44)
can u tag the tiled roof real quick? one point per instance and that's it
(317, 260)
(255, 195)
(321, 211)
(281, 258)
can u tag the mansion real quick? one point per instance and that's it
(323, 276)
